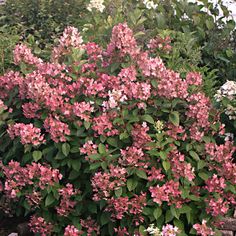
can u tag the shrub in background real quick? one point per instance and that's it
(109, 140)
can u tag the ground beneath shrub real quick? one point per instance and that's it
(19, 226)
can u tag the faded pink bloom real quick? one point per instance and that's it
(27, 133)
(71, 230)
(40, 226)
(169, 230)
(23, 54)
(203, 229)
(66, 204)
(57, 129)
(90, 226)
(194, 78)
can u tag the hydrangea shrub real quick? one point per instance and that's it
(109, 141)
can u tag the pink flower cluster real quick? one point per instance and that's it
(71, 230)
(70, 39)
(179, 167)
(169, 230)
(91, 226)
(66, 204)
(123, 205)
(160, 43)
(194, 78)
(199, 109)
(8, 83)
(89, 148)
(23, 53)
(203, 229)
(35, 175)
(104, 183)
(40, 226)
(2, 106)
(169, 192)
(140, 136)
(57, 129)
(172, 86)
(133, 156)
(27, 133)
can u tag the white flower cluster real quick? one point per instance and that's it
(153, 230)
(150, 4)
(228, 90)
(96, 4)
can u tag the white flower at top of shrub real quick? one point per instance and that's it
(153, 230)
(150, 4)
(96, 4)
(226, 90)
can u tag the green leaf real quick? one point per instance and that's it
(124, 135)
(201, 164)
(174, 211)
(94, 166)
(76, 164)
(118, 192)
(131, 184)
(157, 213)
(141, 174)
(104, 218)
(179, 224)
(49, 200)
(112, 142)
(101, 148)
(163, 155)
(194, 155)
(87, 124)
(166, 165)
(66, 149)
(74, 174)
(185, 209)
(203, 176)
(168, 216)
(37, 155)
(142, 230)
(174, 118)
(148, 118)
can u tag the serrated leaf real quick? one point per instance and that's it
(141, 174)
(203, 176)
(174, 118)
(201, 164)
(168, 216)
(157, 213)
(194, 155)
(112, 141)
(118, 192)
(94, 166)
(37, 155)
(87, 124)
(124, 135)
(76, 164)
(148, 118)
(74, 174)
(49, 200)
(132, 184)
(66, 149)
(166, 165)
(101, 148)
(104, 219)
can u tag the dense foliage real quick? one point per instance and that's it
(108, 140)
